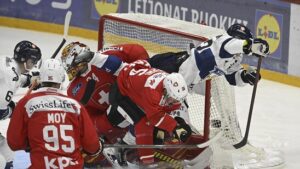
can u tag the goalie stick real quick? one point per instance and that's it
(244, 141)
(66, 29)
(187, 146)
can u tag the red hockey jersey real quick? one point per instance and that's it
(94, 94)
(144, 86)
(55, 128)
(95, 98)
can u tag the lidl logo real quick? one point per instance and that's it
(106, 6)
(269, 27)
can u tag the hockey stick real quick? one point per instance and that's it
(244, 141)
(66, 29)
(187, 146)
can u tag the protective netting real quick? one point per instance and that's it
(165, 35)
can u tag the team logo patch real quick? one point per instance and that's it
(76, 89)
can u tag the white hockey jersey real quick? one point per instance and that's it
(221, 55)
(9, 81)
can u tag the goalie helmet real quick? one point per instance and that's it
(175, 86)
(52, 71)
(239, 31)
(25, 50)
(75, 57)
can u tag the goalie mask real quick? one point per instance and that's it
(27, 53)
(239, 31)
(175, 89)
(75, 57)
(52, 71)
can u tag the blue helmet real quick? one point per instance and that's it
(239, 31)
(25, 50)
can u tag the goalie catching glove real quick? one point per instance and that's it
(182, 131)
(249, 75)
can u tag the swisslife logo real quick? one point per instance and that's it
(269, 28)
(106, 6)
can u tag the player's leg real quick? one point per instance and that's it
(2, 161)
(7, 153)
(169, 62)
(123, 113)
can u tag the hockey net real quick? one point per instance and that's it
(210, 112)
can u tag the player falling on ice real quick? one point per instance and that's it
(144, 97)
(14, 73)
(55, 129)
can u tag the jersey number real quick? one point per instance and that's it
(8, 96)
(53, 134)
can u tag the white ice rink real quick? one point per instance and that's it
(276, 113)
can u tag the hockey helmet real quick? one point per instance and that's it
(52, 71)
(239, 31)
(25, 50)
(75, 57)
(176, 88)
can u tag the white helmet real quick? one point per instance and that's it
(52, 71)
(175, 86)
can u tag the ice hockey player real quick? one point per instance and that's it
(15, 72)
(91, 77)
(219, 56)
(52, 126)
(143, 97)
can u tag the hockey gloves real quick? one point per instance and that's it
(260, 47)
(257, 47)
(27, 79)
(249, 75)
(182, 131)
(91, 158)
(158, 136)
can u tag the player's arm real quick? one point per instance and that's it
(166, 122)
(180, 129)
(128, 52)
(27, 79)
(91, 145)
(243, 77)
(6, 110)
(109, 63)
(234, 46)
(17, 128)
